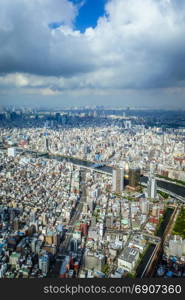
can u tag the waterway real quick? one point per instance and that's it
(169, 186)
(151, 247)
(140, 269)
(164, 223)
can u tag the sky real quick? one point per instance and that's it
(92, 52)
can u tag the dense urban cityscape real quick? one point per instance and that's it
(92, 148)
(92, 193)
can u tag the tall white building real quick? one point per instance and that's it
(144, 205)
(176, 246)
(44, 263)
(128, 124)
(11, 152)
(118, 180)
(152, 188)
(46, 144)
(152, 168)
(101, 230)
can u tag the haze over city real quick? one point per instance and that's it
(92, 52)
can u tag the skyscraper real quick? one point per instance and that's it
(74, 245)
(46, 144)
(44, 263)
(152, 187)
(128, 124)
(134, 177)
(118, 180)
(11, 152)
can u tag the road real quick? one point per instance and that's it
(130, 214)
(65, 244)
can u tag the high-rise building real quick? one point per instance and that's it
(33, 244)
(118, 180)
(32, 217)
(16, 224)
(152, 188)
(152, 168)
(46, 144)
(84, 229)
(128, 124)
(134, 177)
(145, 206)
(38, 246)
(44, 263)
(11, 152)
(101, 230)
(44, 219)
(176, 246)
(56, 239)
(74, 245)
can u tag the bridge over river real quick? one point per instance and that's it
(173, 189)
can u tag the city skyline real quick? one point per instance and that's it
(78, 53)
(92, 194)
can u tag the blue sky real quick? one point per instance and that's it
(89, 13)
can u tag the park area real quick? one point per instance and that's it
(179, 228)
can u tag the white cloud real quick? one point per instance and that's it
(139, 44)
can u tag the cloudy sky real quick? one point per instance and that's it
(80, 52)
